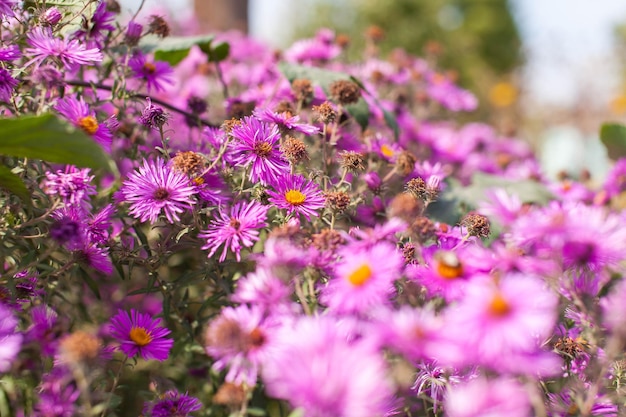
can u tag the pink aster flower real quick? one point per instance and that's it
(238, 340)
(70, 53)
(154, 73)
(364, 278)
(79, 114)
(315, 367)
(155, 189)
(499, 319)
(10, 53)
(286, 120)
(297, 195)
(72, 185)
(487, 398)
(235, 229)
(140, 334)
(262, 288)
(256, 148)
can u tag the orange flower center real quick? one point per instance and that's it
(149, 67)
(262, 149)
(360, 275)
(387, 151)
(448, 265)
(140, 336)
(89, 124)
(499, 306)
(295, 197)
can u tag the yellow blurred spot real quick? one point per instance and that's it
(503, 94)
(618, 104)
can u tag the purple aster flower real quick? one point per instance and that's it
(6, 8)
(70, 53)
(47, 76)
(154, 189)
(262, 288)
(140, 334)
(315, 367)
(10, 53)
(235, 229)
(615, 182)
(154, 73)
(95, 30)
(7, 85)
(96, 257)
(58, 395)
(256, 148)
(286, 120)
(43, 330)
(50, 17)
(79, 114)
(152, 116)
(433, 380)
(133, 33)
(171, 404)
(364, 278)
(73, 186)
(297, 195)
(10, 338)
(482, 397)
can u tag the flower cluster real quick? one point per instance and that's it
(287, 233)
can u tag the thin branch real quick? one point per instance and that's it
(143, 97)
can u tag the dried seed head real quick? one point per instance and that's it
(477, 225)
(158, 26)
(326, 113)
(327, 240)
(345, 92)
(80, 346)
(240, 109)
(113, 6)
(569, 348)
(423, 229)
(230, 395)
(337, 201)
(228, 125)
(285, 107)
(190, 163)
(408, 252)
(342, 40)
(294, 150)
(375, 33)
(352, 161)
(405, 206)
(302, 89)
(422, 190)
(406, 163)
(197, 105)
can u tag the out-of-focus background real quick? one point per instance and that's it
(550, 71)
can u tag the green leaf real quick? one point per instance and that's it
(93, 286)
(219, 52)
(527, 191)
(322, 77)
(12, 183)
(613, 136)
(48, 138)
(391, 121)
(361, 112)
(175, 48)
(171, 57)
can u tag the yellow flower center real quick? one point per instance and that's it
(140, 336)
(295, 197)
(149, 67)
(89, 124)
(387, 151)
(499, 306)
(360, 275)
(198, 180)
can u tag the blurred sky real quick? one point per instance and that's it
(568, 42)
